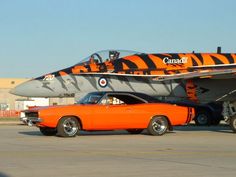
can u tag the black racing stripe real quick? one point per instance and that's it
(189, 113)
(187, 120)
(229, 58)
(216, 60)
(148, 61)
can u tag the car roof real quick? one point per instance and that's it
(143, 96)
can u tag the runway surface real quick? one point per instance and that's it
(187, 151)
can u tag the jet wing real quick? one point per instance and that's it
(216, 74)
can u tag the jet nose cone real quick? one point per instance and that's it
(12, 91)
(23, 89)
(35, 88)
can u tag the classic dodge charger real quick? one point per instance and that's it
(97, 111)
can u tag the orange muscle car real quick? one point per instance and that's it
(133, 112)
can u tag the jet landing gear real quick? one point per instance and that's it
(229, 113)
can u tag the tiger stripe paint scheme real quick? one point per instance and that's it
(200, 77)
(154, 64)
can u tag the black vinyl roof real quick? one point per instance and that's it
(143, 96)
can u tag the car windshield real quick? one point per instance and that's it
(91, 98)
(105, 55)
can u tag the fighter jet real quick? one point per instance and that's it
(199, 77)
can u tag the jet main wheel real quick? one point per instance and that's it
(158, 126)
(48, 131)
(68, 127)
(135, 131)
(232, 124)
(202, 118)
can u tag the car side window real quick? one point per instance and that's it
(121, 99)
(111, 100)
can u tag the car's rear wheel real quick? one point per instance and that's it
(68, 127)
(158, 125)
(135, 131)
(48, 131)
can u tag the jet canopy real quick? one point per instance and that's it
(106, 55)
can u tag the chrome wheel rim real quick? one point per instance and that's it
(70, 127)
(159, 126)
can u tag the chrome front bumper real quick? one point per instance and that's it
(30, 121)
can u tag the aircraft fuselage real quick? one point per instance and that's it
(198, 77)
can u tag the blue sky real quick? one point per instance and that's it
(40, 36)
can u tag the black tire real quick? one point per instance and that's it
(202, 118)
(68, 127)
(135, 131)
(232, 124)
(158, 126)
(48, 131)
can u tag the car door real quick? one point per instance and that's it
(129, 116)
(118, 116)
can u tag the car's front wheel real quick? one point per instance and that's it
(68, 127)
(48, 131)
(158, 125)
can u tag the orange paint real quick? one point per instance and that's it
(114, 117)
(62, 73)
(138, 61)
(191, 91)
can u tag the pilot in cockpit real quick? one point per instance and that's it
(91, 60)
(113, 55)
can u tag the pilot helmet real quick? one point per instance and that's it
(113, 55)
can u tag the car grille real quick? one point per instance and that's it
(31, 114)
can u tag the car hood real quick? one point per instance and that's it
(39, 108)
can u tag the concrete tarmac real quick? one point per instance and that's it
(188, 151)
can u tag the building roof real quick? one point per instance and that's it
(8, 83)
